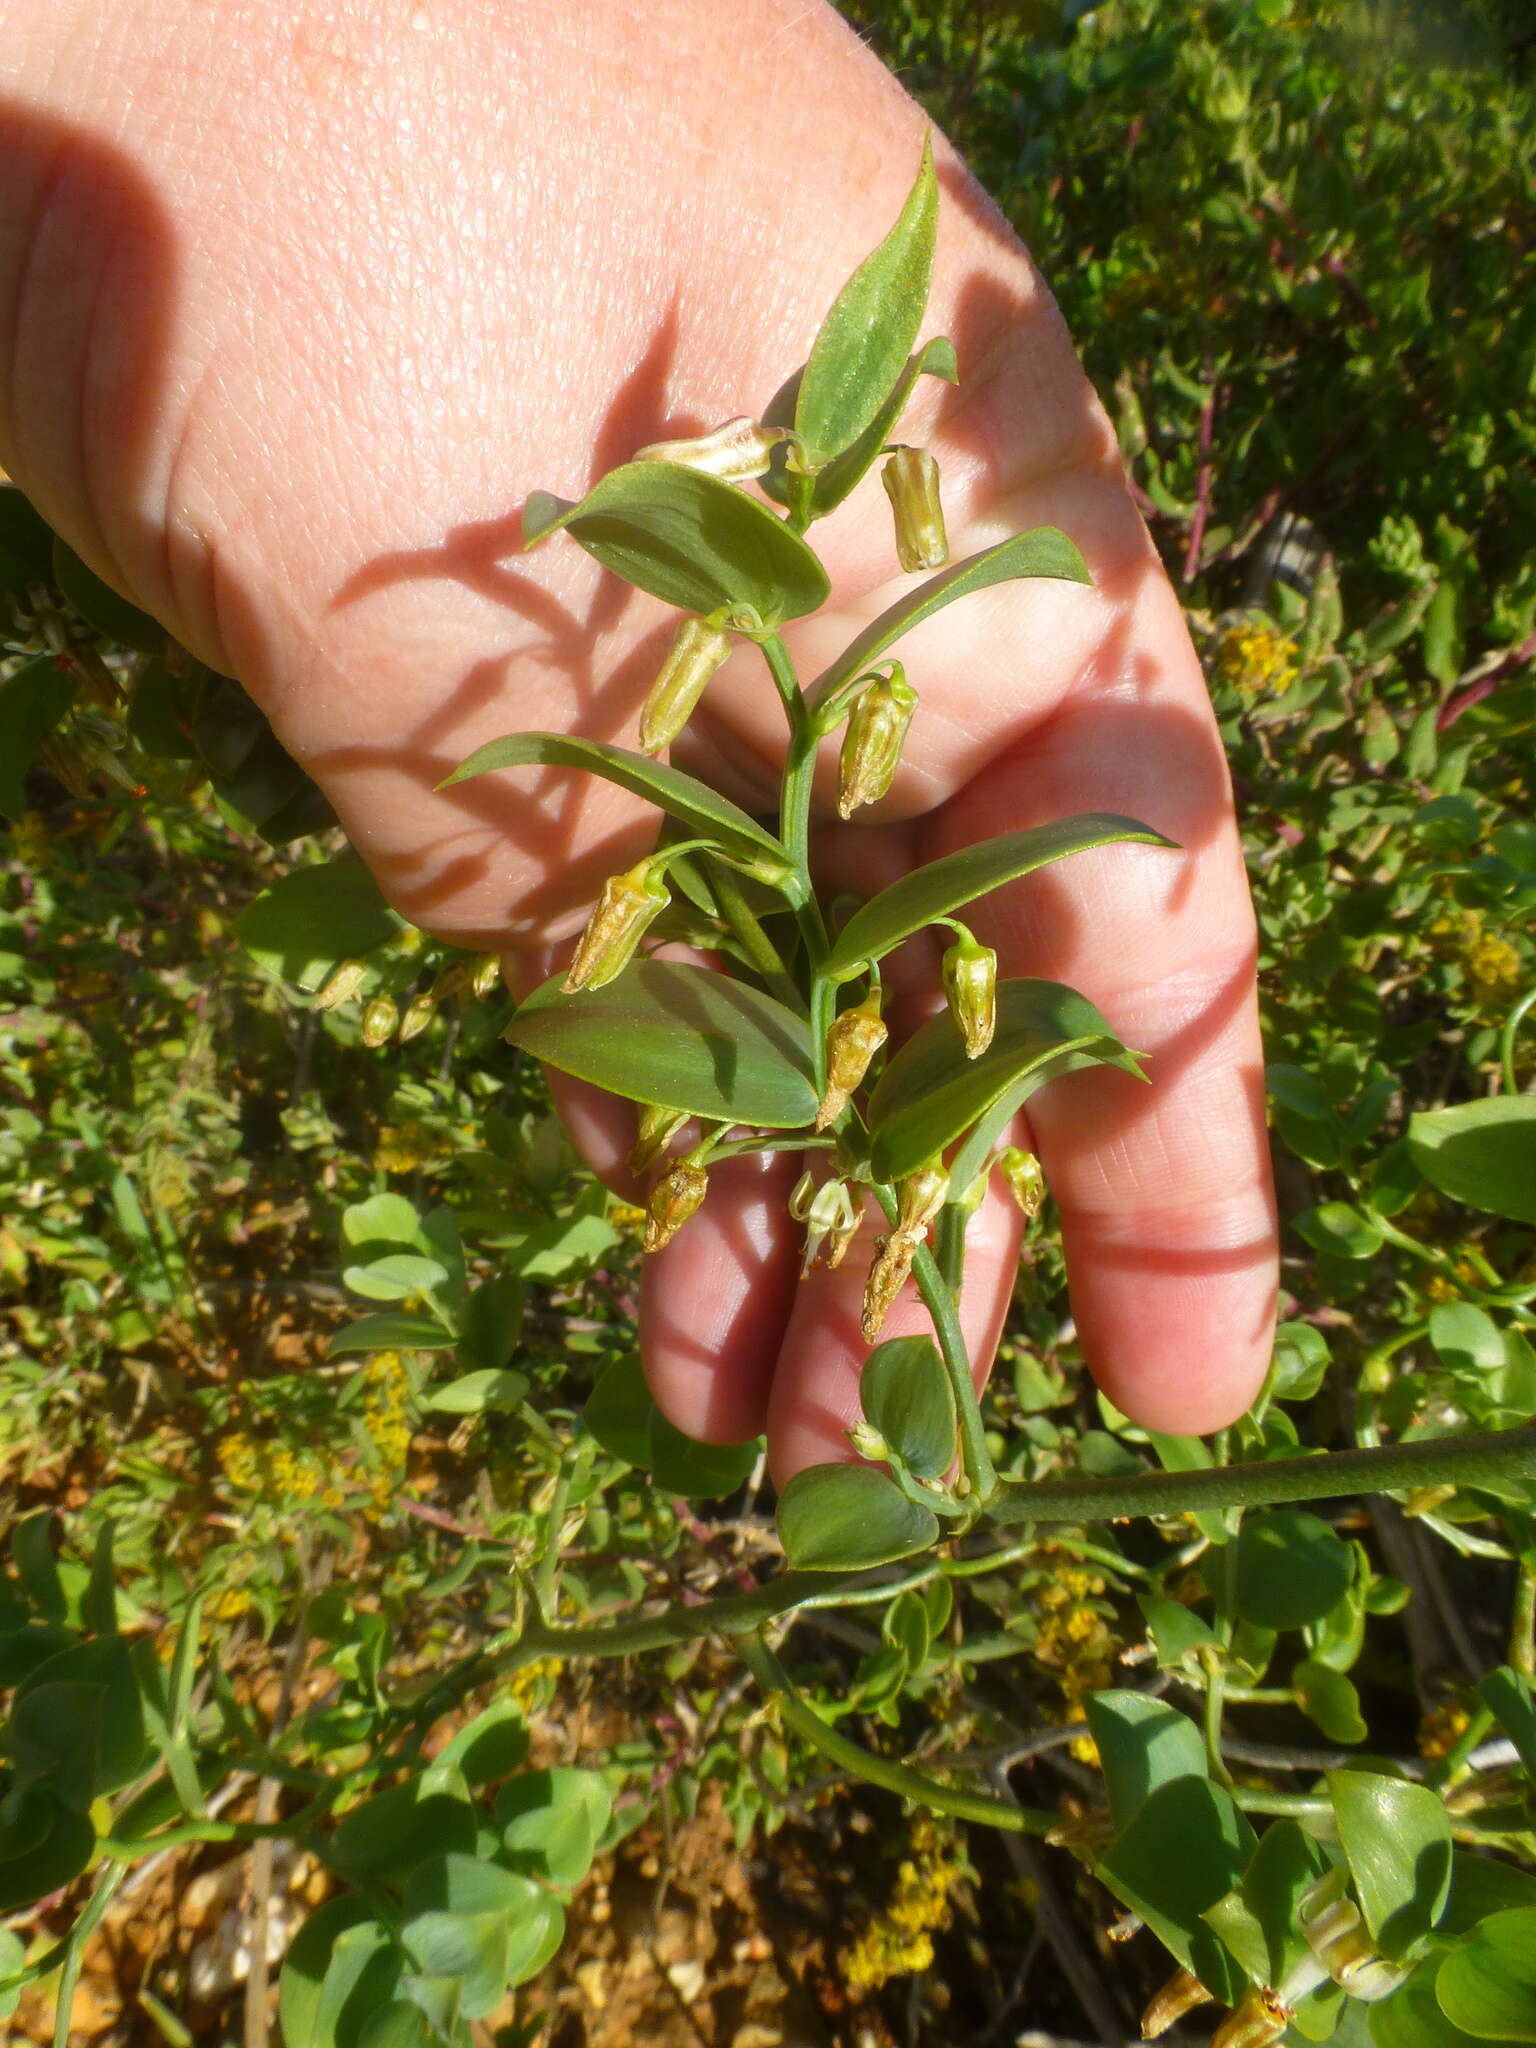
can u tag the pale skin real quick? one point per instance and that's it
(297, 304)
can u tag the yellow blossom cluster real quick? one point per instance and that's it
(1257, 659)
(286, 1477)
(529, 1680)
(29, 839)
(1441, 1729)
(403, 1148)
(1073, 1639)
(1493, 968)
(900, 1939)
(386, 1424)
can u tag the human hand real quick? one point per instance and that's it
(299, 303)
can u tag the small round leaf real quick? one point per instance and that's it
(842, 1517)
(907, 1396)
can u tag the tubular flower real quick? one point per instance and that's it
(628, 905)
(853, 1039)
(697, 651)
(911, 479)
(379, 1020)
(1181, 1994)
(877, 726)
(970, 988)
(736, 451)
(1026, 1182)
(920, 1197)
(1259, 2019)
(887, 1276)
(831, 1217)
(419, 1012)
(674, 1199)
(656, 1128)
(341, 985)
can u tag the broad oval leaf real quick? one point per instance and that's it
(307, 1965)
(387, 1332)
(706, 814)
(1290, 1569)
(1481, 1153)
(1396, 1839)
(667, 1031)
(552, 1821)
(33, 698)
(475, 1392)
(1412, 2018)
(1487, 1986)
(395, 1277)
(1143, 1743)
(1046, 551)
(1187, 1847)
(836, 1518)
(865, 339)
(688, 539)
(44, 1845)
(303, 925)
(930, 1092)
(959, 878)
(1258, 1921)
(905, 1393)
(627, 1423)
(385, 1838)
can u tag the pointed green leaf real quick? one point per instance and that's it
(552, 1821)
(388, 1332)
(1290, 1569)
(905, 1392)
(1143, 1743)
(627, 1423)
(664, 1031)
(1507, 1695)
(1396, 1839)
(866, 338)
(384, 1839)
(1044, 552)
(842, 1517)
(935, 358)
(98, 1607)
(1487, 1986)
(930, 1092)
(44, 1844)
(946, 885)
(1259, 1920)
(33, 698)
(475, 1392)
(688, 539)
(32, 1548)
(1187, 1847)
(101, 606)
(706, 814)
(1329, 1698)
(1481, 1153)
(303, 925)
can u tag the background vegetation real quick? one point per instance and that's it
(1298, 245)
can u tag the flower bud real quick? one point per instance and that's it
(657, 1127)
(697, 651)
(920, 1197)
(1259, 2019)
(1337, 1937)
(1026, 1182)
(738, 450)
(485, 976)
(887, 1277)
(867, 1441)
(379, 1020)
(911, 479)
(341, 985)
(1181, 1994)
(419, 1012)
(673, 1200)
(877, 725)
(853, 1039)
(453, 983)
(970, 987)
(628, 905)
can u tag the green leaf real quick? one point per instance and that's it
(302, 926)
(866, 338)
(492, 1321)
(33, 698)
(98, 1605)
(1397, 1841)
(476, 1392)
(13, 1956)
(1300, 1361)
(253, 775)
(383, 1840)
(382, 1219)
(1487, 1986)
(1290, 1568)
(394, 1277)
(1178, 1635)
(688, 539)
(1327, 1697)
(842, 1517)
(706, 814)
(1480, 1886)
(629, 1425)
(1143, 1744)
(493, 1744)
(1506, 1693)
(1185, 1849)
(490, 1927)
(935, 358)
(1259, 1920)
(341, 1966)
(946, 885)
(396, 2025)
(552, 1821)
(1339, 1228)
(930, 1092)
(1043, 552)
(32, 1548)
(44, 1845)
(905, 1393)
(101, 606)
(667, 1032)
(26, 544)
(391, 1332)
(1412, 2018)
(619, 1412)
(1481, 1153)
(80, 1714)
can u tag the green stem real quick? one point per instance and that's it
(112, 1875)
(940, 1304)
(753, 940)
(879, 1770)
(795, 792)
(1215, 1696)
(949, 1245)
(549, 1558)
(1512, 1024)
(1460, 1460)
(1522, 1626)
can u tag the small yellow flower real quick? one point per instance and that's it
(1257, 659)
(899, 1940)
(1441, 1729)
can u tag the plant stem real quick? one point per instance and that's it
(878, 1770)
(940, 1304)
(1460, 1460)
(1512, 1024)
(795, 790)
(754, 941)
(1522, 1626)
(949, 1245)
